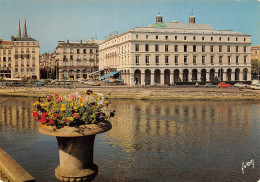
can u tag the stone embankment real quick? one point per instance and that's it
(123, 92)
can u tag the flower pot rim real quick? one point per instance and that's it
(82, 130)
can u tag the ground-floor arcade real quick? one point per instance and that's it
(171, 76)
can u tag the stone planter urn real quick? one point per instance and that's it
(76, 147)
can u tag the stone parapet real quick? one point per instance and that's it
(11, 171)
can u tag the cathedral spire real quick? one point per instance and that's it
(24, 29)
(19, 30)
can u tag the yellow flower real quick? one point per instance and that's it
(63, 105)
(74, 108)
(49, 91)
(69, 100)
(62, 109)
(106, 102)
(71, 104)
(84, 91)
(81, 99)
(81, 104)
(47, 103)
(74, 87)
(42, 105)
(36, 103)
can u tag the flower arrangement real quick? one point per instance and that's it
(72, 110)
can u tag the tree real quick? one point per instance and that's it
(255, 69)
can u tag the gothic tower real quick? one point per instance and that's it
(19, 30)
(24, 29)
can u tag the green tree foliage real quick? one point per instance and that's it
(255, 67)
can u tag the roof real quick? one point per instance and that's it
(184, 26)
(24, 39)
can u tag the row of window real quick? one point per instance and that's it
(78, 51)
(24, 56)
(166, 37)
(185, 60)
(185, 48)
(5, 52)
(5, 59)
(24, 70)
(78, 57)
(22, 64)
(78, 64)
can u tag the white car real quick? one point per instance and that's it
(255, 87)
(241, 85)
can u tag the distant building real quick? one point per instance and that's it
(19, 58)
(164, 53)
(48, 66)
(255, 52)
(77, 59)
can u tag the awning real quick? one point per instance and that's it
(109, 74)
(95, 72)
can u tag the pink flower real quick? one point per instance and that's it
(72, 97)
(58, 100)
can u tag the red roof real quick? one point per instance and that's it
(7, 42)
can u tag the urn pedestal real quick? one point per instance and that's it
(76, 146)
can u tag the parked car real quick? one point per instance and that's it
(81, 80)
(255, 87)
(223, 84)
(210, 85)
(241, 85)
(39, 83)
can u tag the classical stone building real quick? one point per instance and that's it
(19, 58)
(48, 66)
(255, 52)
(164, 53)
(77, 59)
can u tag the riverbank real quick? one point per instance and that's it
(123, 92)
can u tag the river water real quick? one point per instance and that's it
(150, 141)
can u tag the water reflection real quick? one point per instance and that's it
(149, 141)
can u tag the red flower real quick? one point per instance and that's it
(43, 120)
(66, 120)
(75, 115)
(51, 121)
(43, 115)
(35, 114)
(57, 115)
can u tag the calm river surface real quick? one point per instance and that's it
(150, 141)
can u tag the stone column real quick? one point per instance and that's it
(171, 78)
(181, 75)
(132, 80)
(81, 74)
(152, 78)
(142, 79)
(162, 78)
(224, 75)
(68, 75)
(199, 76)
(208, 75)
(75, 75)
(241, 75)
(233, 75)
(190, 76)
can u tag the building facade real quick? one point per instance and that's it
(255, 52)
(77, 59)
(48, 66)
(19, 58)
(165, 53)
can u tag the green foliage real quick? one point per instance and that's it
(255, 67)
